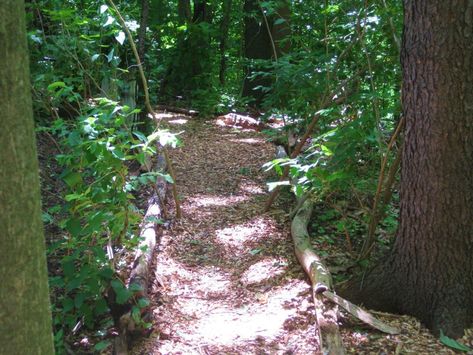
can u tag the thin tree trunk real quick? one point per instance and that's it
(142, 33)
(257, 46)
(224, 26)
(25, 315)
(184, 11)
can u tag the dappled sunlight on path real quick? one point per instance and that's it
(227, 279)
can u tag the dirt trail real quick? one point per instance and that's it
(227, 280)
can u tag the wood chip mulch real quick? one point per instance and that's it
(226, 279)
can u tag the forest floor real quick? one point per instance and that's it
(226, 278)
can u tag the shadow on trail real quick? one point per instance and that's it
(229, 280)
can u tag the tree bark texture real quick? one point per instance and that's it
(142, 33)
(429, 273)
(184, 11)
(25, 316)
(224, 27)
(264, 39)
(257, 46)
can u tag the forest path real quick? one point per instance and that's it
(227, 278)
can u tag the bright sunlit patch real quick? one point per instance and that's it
(211, 200)
(263, 270)
(247, 140)
(212, 280)
(238, 235)
(261, 319)
(161, 115)
(250, 187)
(179, 121)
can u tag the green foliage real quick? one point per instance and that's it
(81, 69)
(83, 73)
(191, 71)
(452, 343)
(341, 52)
(98, 220)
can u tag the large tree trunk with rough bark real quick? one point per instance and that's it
(429, 273)
(25, 316)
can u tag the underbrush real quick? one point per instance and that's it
(92, 220)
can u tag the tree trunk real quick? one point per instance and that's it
(281, 28)
(25, 316)
(257, 46)
(224, 26)
(142, 32)
(265, 38)
(429, 273)
(184, 11)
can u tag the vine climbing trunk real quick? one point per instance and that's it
(429, 273)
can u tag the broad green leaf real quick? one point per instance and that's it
(72, 179)
(273, 185)
(279, 21)
(73, 225)
(153, 219)
(101, 307)
(67, 304)
(451, 343)
(47, 218)
(110, 55)
(106, 273)
(140, 136)
(120, 37)
(103, 8)
(109, 21)
(121, 292)
(72, 197)
(143, 302)
(55, 85)
(68, 267)
(117, 153)
(79, 300)
(136, 314)
(135, 288)
(102, 345)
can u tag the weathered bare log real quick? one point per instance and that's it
(175, 109)
(360, 313)
(144, 253)
(325, 299)
(326, 311)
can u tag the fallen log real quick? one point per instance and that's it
(360, 313)
(330, 340)
(325, 300)
(175, 109)
(129, 328)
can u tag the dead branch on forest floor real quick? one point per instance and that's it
(325, 300)
(128, 326)
(174, 109)
(330, 340)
